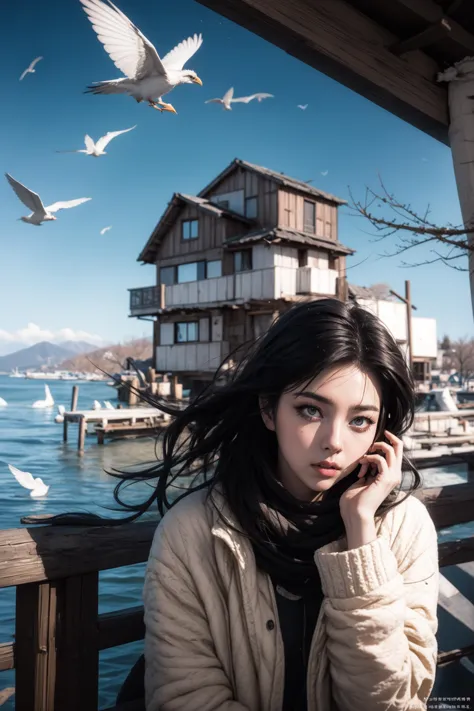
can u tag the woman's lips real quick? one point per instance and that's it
(326, 471)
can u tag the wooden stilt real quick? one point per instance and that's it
(81, 434)
(65, 423)
(74, 397)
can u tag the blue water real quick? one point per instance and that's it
(32, 441)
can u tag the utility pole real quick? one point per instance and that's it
(407, 300)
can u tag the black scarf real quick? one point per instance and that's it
(293, 530)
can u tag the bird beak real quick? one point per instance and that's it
(196, 80)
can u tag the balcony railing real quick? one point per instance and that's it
(189, 357)
(270, 283)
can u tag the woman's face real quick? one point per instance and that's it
(329, 423)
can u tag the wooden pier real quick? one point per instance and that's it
(59, 633)
(126, 419)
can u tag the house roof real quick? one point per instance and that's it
(170, 215)
(277, 234)
(280, 178)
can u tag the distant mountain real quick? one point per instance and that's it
(78, 346)
(34, 357)
(111, 359)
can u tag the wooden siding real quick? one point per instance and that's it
(191, 357)
(291, 213)
(212, 233)
(253, 185)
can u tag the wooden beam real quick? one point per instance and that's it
(338, 40)
(433, 33)
(432, 13)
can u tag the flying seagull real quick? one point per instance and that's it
(105, 229)
(303, 107)
(33, 202)
(324, 172)
(147, 76)
(97, 149)
(228, 99)
(37, 486)
(31, 69)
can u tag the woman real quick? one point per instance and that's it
(295, 575)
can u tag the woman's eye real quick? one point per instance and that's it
(362, 421)
(308, 411)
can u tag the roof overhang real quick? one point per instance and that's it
(389, 51)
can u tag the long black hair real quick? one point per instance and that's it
(220, 439)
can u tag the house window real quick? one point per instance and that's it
(167, 275)
(222, 203)
(302, 257)
(251, 207)
(309, 216)
(214, 269)
(243, 260)
(193, 271)
(186, 332)
(190, 229)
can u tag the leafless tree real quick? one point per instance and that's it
(461, 357)
(389, 217)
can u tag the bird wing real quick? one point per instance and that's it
(228, 95)
(246, 99)
(27, 196)
(23, 74)
(214, 101)
(102, 142)
(105, 229)
(65, 204)
(128, 48)
(89, 143)
(35, 62)
(24, 478)
(179, 55)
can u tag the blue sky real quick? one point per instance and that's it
(64, 275)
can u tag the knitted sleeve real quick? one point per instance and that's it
(381, 616)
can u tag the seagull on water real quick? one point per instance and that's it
(47, 402)
(228, 99)
(105, 229)
(96, 405)
(37, 486)
(97, 149)
(60, 416)
(3, 403)
(33, 201)
(108, 405)
(31, 69)
(147, 76)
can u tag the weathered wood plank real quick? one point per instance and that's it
(335, 38)
(77, 645)
(49, 552)
(35, 649)
(7, 656)
(121, 627)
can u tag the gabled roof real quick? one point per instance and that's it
(171, 214)
(279, 178)
(277, 234)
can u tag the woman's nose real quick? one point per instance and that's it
(332, 439)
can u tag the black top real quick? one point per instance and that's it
(297, 616)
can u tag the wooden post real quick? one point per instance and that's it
(81, 434)
(35, 648)
(132, 395)
(65, 423)
(461, 140)
(74, 397)
(409, 325)
(162, 296)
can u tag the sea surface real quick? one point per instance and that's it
(31, 440)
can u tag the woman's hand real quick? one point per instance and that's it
(378, 476)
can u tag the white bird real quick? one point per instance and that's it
(324, 172)
(3, 403)
(303, 107)
(37, 486)
(108, 405)
(47, 402)
(147, 76)
(105, 229)
(228, 99)
(31, 69)
(97, 149)
(33, 202)
(60, 416)
(96, 405)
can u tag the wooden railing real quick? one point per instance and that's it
(58, 631)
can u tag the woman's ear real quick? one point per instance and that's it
(266, 414)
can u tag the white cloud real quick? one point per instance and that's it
(35, 334)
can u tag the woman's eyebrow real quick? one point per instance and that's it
(327, 401)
